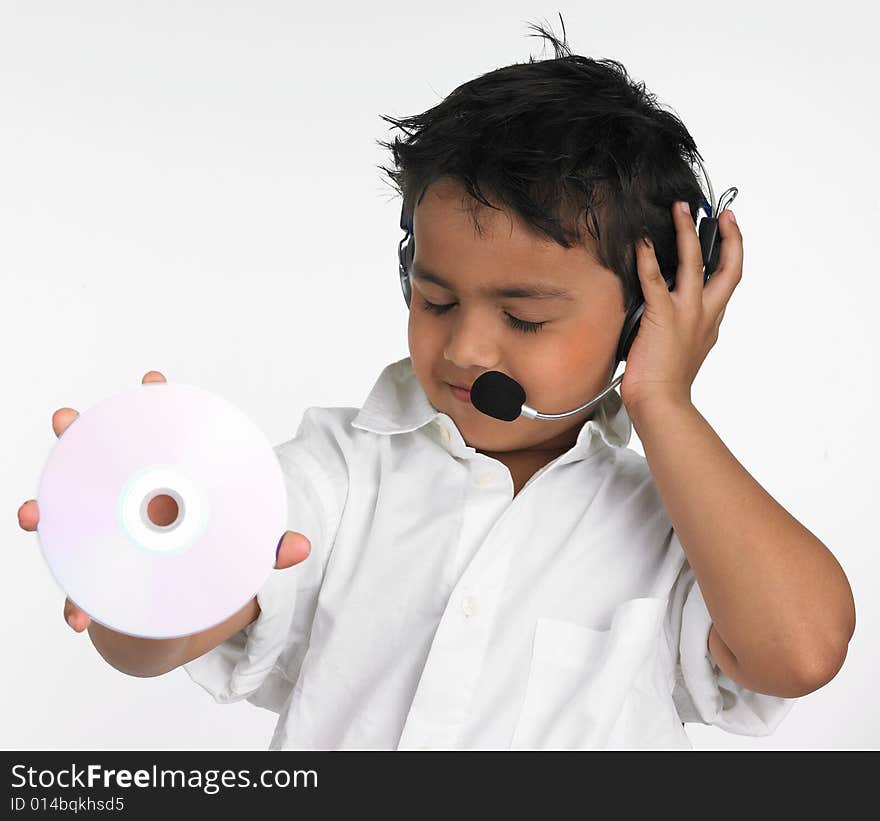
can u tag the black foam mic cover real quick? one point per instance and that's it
(497, 395)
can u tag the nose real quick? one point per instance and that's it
(470, 346)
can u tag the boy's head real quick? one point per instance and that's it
(499, 179)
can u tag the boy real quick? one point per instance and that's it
(479, 584)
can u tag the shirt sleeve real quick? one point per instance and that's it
(261, 662)
(703, 693)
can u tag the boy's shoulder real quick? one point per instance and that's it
(629, 482)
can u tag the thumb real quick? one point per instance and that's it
(292, 549)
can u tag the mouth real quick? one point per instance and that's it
(464, 394)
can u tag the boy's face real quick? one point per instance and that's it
(561, 366)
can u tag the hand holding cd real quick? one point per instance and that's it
(129, 576)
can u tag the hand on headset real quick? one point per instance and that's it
(679, 327)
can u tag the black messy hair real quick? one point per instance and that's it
(552, 140)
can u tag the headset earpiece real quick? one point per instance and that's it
(405, 254)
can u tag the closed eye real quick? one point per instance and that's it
(518, 324)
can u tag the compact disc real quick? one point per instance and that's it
(225, 508)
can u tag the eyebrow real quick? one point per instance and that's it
(527, 290)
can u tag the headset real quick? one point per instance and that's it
(499, 395)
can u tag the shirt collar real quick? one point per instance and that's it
(398, 404)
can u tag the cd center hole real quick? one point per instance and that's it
(162, 510)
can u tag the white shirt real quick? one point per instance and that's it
(438, 611)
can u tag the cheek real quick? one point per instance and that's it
(594, 339)
(574, 351)
(591, 347)
(415, 332)
(569, 367)
(423, 343)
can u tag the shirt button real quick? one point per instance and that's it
(486, 479)
(469, 605)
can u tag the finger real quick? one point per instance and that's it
(722, 283)
(62, 419)
(292, 549)
(153, 376)
(78, 619)
(689, 276)
(654, 287)
(29, 515)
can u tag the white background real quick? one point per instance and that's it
(192, 188)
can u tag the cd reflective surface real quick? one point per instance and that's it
(186, 561)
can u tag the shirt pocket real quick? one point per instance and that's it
(598, 689)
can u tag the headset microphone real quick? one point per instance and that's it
(498, 395)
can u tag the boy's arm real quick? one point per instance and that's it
(776, 594)
(146, 658)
